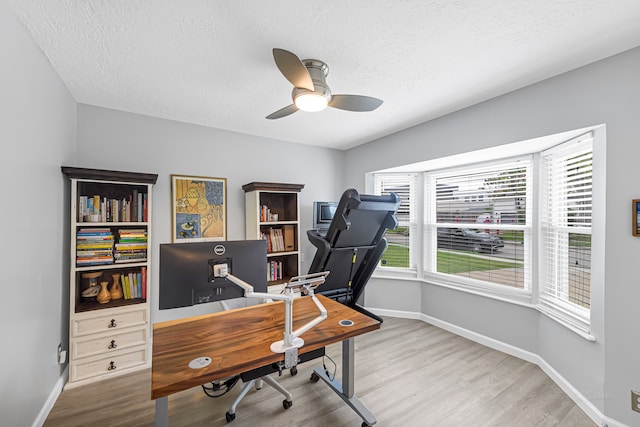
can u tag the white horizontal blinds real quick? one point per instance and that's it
(399, 253)
(495, 194)
(566, 207)
(483, 222)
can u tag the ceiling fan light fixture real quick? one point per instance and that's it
(311, 101)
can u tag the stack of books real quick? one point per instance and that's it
(94, 246)
(131, 246)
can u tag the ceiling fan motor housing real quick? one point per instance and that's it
(318, 71)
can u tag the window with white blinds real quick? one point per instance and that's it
(399, 253)
(478, 218)
(566, 207)
(475, 227)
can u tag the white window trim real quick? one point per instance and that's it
(527, 298)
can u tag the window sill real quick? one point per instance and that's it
(581, 329)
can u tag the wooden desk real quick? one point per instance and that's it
(238, 341)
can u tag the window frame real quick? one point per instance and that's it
(568, 313)
(532, 148)
(414, 225)
(430, 247)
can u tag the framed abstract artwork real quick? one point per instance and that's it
(198, 208)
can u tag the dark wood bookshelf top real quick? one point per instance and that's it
(272, 186)
(109, 175)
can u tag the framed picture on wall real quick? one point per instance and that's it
(635, 216)
(198, 208)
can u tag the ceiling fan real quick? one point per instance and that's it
(310, 91)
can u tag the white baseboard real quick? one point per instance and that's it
(594, 413)
(51, 400)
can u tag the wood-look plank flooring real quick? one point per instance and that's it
(408, 373)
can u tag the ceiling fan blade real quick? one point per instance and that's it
(283, 112)
(292, 68)
(355, 102)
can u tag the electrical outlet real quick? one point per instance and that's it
(635, 400)
(62, 355)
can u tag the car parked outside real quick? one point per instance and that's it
(468, 240)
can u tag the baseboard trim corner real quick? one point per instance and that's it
(51, 400)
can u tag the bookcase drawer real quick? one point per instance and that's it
(108, 343)
(111, 364)
(109, 323)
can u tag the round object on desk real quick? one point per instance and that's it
(200, 362)
(346, 322)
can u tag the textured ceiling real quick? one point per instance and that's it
(210, 62)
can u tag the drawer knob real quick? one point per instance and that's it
(112, 324)
(112, 366)
(113, 344)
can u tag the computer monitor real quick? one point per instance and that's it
(323, 214)
(186, 271)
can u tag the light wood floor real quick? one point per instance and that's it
(408, 373)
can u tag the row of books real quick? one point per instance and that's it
(134, 285)
(95, 246)
(274, 238)
(267, 216)
(128, 209)
(265, 213)
(275, 270)
(280, 239)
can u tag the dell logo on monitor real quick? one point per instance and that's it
(219, 250)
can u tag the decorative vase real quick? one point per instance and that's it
(116, 288)
(104, 296)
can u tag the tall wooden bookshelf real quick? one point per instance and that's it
(111, 250)
(273, 214)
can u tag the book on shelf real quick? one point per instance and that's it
(93, 252)
(131, 246)
(139, 285)
(128, 260)
(143, 276)
(124, 279)
(288, 232)
(94, 231)
(83, 262)
(85, 238)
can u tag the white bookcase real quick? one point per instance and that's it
(110, 242)
(273, 214)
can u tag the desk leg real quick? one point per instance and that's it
(162, 412)
(346, 389)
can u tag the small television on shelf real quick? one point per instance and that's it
(187, 271)
(323, 214)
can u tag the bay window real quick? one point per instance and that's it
(475, 226)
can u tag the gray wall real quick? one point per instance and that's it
(605, 92)
(37, 135)
(111, 139)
